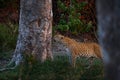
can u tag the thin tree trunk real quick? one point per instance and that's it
(109, 35)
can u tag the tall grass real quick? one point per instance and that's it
(8, 37)
(59, 69)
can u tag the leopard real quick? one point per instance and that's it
(78, 49)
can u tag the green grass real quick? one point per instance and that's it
(8, 37)
(59, 69)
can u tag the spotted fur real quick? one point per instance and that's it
(77, 49)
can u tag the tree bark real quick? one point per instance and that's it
(35, 30)
(109, 36)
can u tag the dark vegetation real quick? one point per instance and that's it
(59, 69)
(9, 11)
(69, 19)
(73, 18)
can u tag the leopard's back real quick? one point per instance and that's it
(83, 49)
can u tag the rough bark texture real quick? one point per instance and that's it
(109, 35)
(35, 29)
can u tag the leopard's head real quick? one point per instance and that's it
(58, 38)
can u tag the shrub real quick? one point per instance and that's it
(70, 18)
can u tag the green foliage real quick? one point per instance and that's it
(70, 18)
(62, 27)
(8, 36)
(59, 69)
(61, 5)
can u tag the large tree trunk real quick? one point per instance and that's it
(35, 30)
(109, 35)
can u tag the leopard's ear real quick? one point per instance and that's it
(62, 37)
